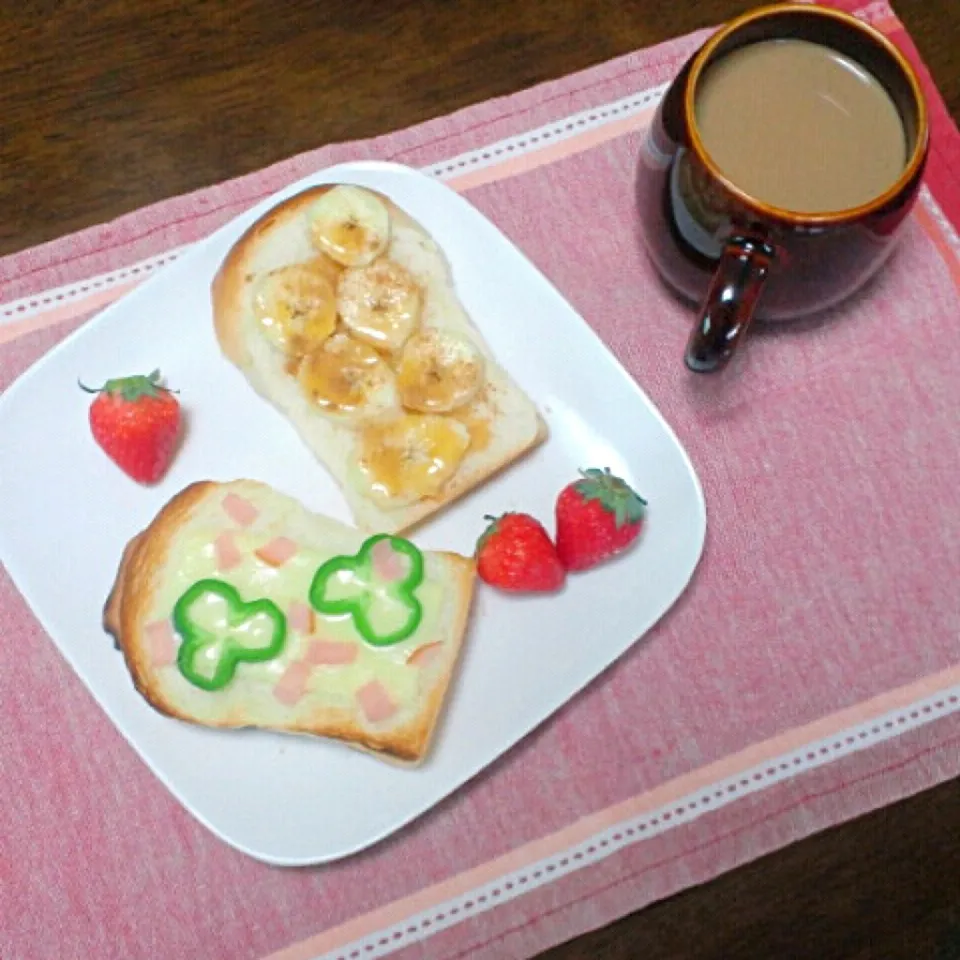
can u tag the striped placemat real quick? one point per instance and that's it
(828, 684)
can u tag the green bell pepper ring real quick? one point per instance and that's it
(357, 575)
(232, 652)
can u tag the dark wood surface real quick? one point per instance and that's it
(112, 104)
(883, 887)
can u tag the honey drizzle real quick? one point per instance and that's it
(473, 416)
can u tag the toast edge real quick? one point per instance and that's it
(146, 552)
(226, 295)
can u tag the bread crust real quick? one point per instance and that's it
(129, 598)
(228, 297)
(139, 576)
(226, 289)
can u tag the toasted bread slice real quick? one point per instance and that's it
(502, 421)
(291, 664)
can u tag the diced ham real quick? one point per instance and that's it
(228, 553)
(277, 552)
(300, 617)
(375, 702)
(292, 685)
(388, 564)
(240, 510)
(425, 655)
(330, 653)
(161, 643)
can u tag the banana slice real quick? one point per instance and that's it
(439, 372)
(351, 225)
(349, 380)
(410, 458)
(380, 303)
(296, 307)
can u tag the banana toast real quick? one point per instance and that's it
(340, 310)
(238, 607)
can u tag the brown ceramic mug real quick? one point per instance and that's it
(711, 234)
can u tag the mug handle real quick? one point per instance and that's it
(730, 303)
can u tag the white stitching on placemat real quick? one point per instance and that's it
(30, 306)
(539, 137)
(420, 926)
(36, 303)
(478, 159)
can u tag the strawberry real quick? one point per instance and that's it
(136, 422)
(597, 516)
(515, 553)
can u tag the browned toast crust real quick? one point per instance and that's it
(126, 609)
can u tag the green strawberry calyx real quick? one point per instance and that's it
(493, 524)
(132, 388)
(615, 495)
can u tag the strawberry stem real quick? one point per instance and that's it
(490, 530)
(130, 388)
(614, 494)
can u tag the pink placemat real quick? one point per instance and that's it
(825, 683)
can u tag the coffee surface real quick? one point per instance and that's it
(800, 126)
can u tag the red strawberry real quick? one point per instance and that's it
(136, 421)
(597, 516)
(515, 553)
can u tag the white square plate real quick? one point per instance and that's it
(66, 513)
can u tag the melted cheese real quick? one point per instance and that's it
(192, 557)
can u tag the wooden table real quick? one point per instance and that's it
(111, 105)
